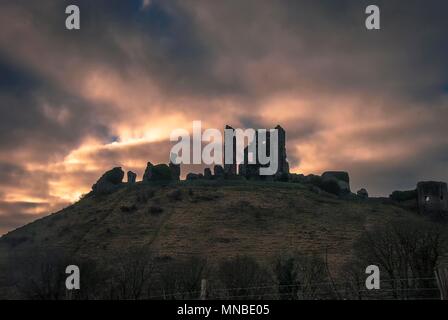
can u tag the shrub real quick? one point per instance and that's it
(403, 195)
(128, 209)
(331, 186)
(143, 197)
(243, 278)
(182, 279)
(155, 210)
(161, 172)
(407, 253)
(302, 277)
(175, 195)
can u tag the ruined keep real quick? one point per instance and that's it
(132, 177)
(252, 170)
(174, 168)
(230, 169)
(432, 197)
(159, 172)
(233, 170)
(109, 182)
(175, 171)
(336, 182)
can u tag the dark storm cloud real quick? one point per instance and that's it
(16, 214)
(13, 220)
(156, 152)
(308, 65)
(325, 44)
(169, 45)
(9, 172)
(45, 120)
(383, 178)
(20, 206)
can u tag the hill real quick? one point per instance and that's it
(211, 219)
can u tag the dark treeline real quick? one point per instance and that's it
(406, 254)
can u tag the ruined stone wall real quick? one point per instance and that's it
(432, 197)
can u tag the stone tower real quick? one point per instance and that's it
(432, 198)
(253, 170)
(283, 166)
(230, 169)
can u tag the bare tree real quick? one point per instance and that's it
(190, 274)
(243, 278)
(131, 273)
(40, 274)
(182, 279)
(286, 274)
(407, 253)
(353, 278)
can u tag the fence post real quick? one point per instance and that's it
(203, 289)
(442, 282)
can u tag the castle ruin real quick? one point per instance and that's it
(252, 170)
(432, 197)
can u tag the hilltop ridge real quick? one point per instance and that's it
(213, 220)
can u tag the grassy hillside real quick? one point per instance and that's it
(210, 219)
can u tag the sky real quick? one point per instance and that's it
(74, 104)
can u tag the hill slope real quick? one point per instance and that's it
(212, 219)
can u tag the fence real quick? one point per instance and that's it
(391, 289)
(442, 282)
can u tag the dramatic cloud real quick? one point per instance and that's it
(76, 103)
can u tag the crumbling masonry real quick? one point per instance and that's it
(252, 170)
(432, 198)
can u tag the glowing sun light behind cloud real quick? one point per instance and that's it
(74, 105)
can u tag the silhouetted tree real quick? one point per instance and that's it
(313, 278)
(243, 277)
(182, 279)
(285, 271)
(131, 274)
(407, 253)
(40, 274)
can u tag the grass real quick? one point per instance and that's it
(214, 219)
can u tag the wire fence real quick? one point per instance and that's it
(313, 291)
